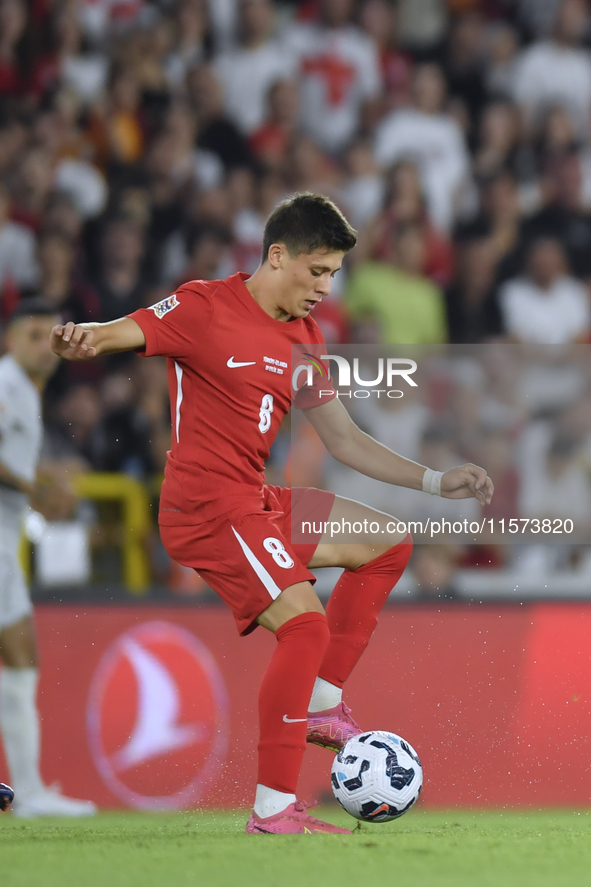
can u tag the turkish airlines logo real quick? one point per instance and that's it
(158, 717)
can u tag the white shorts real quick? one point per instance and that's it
(15, 602)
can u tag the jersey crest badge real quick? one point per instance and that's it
(166, 305)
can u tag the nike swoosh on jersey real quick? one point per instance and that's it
(293, 720)
(245, 363)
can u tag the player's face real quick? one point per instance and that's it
(28, 342)
(307, 279)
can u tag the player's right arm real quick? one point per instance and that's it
(83, 341)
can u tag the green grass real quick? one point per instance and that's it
(424, 849)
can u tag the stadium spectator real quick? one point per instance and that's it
(537, 16)
(422, 25)
(102, 19)
(557, 70)
(188, 164)
(59, 283)
(500, 222)
(223, 17)
(379, 20)
(311, 168)
(497, 146)
(404, 203)
(362, 192)
(31, 186)
(250, 199)
(134, 431)
(65, 63)
(18, 265)
(187, 49)
(271, 141)
(247, 72)
(430, 137)
(13, 21)
(339, 72)
(61, 217)
(217, 131)
(208, 257)
(120, 280)
(561, 489)
(392, 300)
(472, 309)
(565, 216)
(115, 126)
(547, 305)
(500, 59)
(14, 135)
(75, 431)
(464, 64)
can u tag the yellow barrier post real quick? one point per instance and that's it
(136, 520)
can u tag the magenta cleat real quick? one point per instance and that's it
(292, 821)
(332, 728)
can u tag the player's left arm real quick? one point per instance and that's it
(11, 480)
(347, 443)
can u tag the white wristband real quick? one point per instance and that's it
(432, 482)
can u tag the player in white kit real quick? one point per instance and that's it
(24, 371)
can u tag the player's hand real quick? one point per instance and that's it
(53, 495)
(72, 341)
(467, 482)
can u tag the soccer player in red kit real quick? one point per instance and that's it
(228, 344)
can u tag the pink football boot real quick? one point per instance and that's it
(332, 728)
(292, 821)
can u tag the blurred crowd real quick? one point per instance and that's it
(143, 144)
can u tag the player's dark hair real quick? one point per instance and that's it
(307, 222)
(34, 306)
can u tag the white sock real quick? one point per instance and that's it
(269, 801)
(324, 696)
(19, 724)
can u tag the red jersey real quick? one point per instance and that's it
(229, 373)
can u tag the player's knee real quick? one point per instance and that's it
(393, 559)
(296, 600)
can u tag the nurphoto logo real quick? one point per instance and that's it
(390, 371)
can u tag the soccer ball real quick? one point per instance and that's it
(377, 776)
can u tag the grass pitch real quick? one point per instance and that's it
(423, 849)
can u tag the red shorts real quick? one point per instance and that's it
(246, 555)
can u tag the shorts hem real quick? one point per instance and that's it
(13, 620)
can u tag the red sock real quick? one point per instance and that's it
(353, 610)
(284, 697)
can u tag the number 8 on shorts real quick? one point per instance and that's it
(277, 550)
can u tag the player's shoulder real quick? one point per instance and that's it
(205, 288)
(197, 288)
(192, 295)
